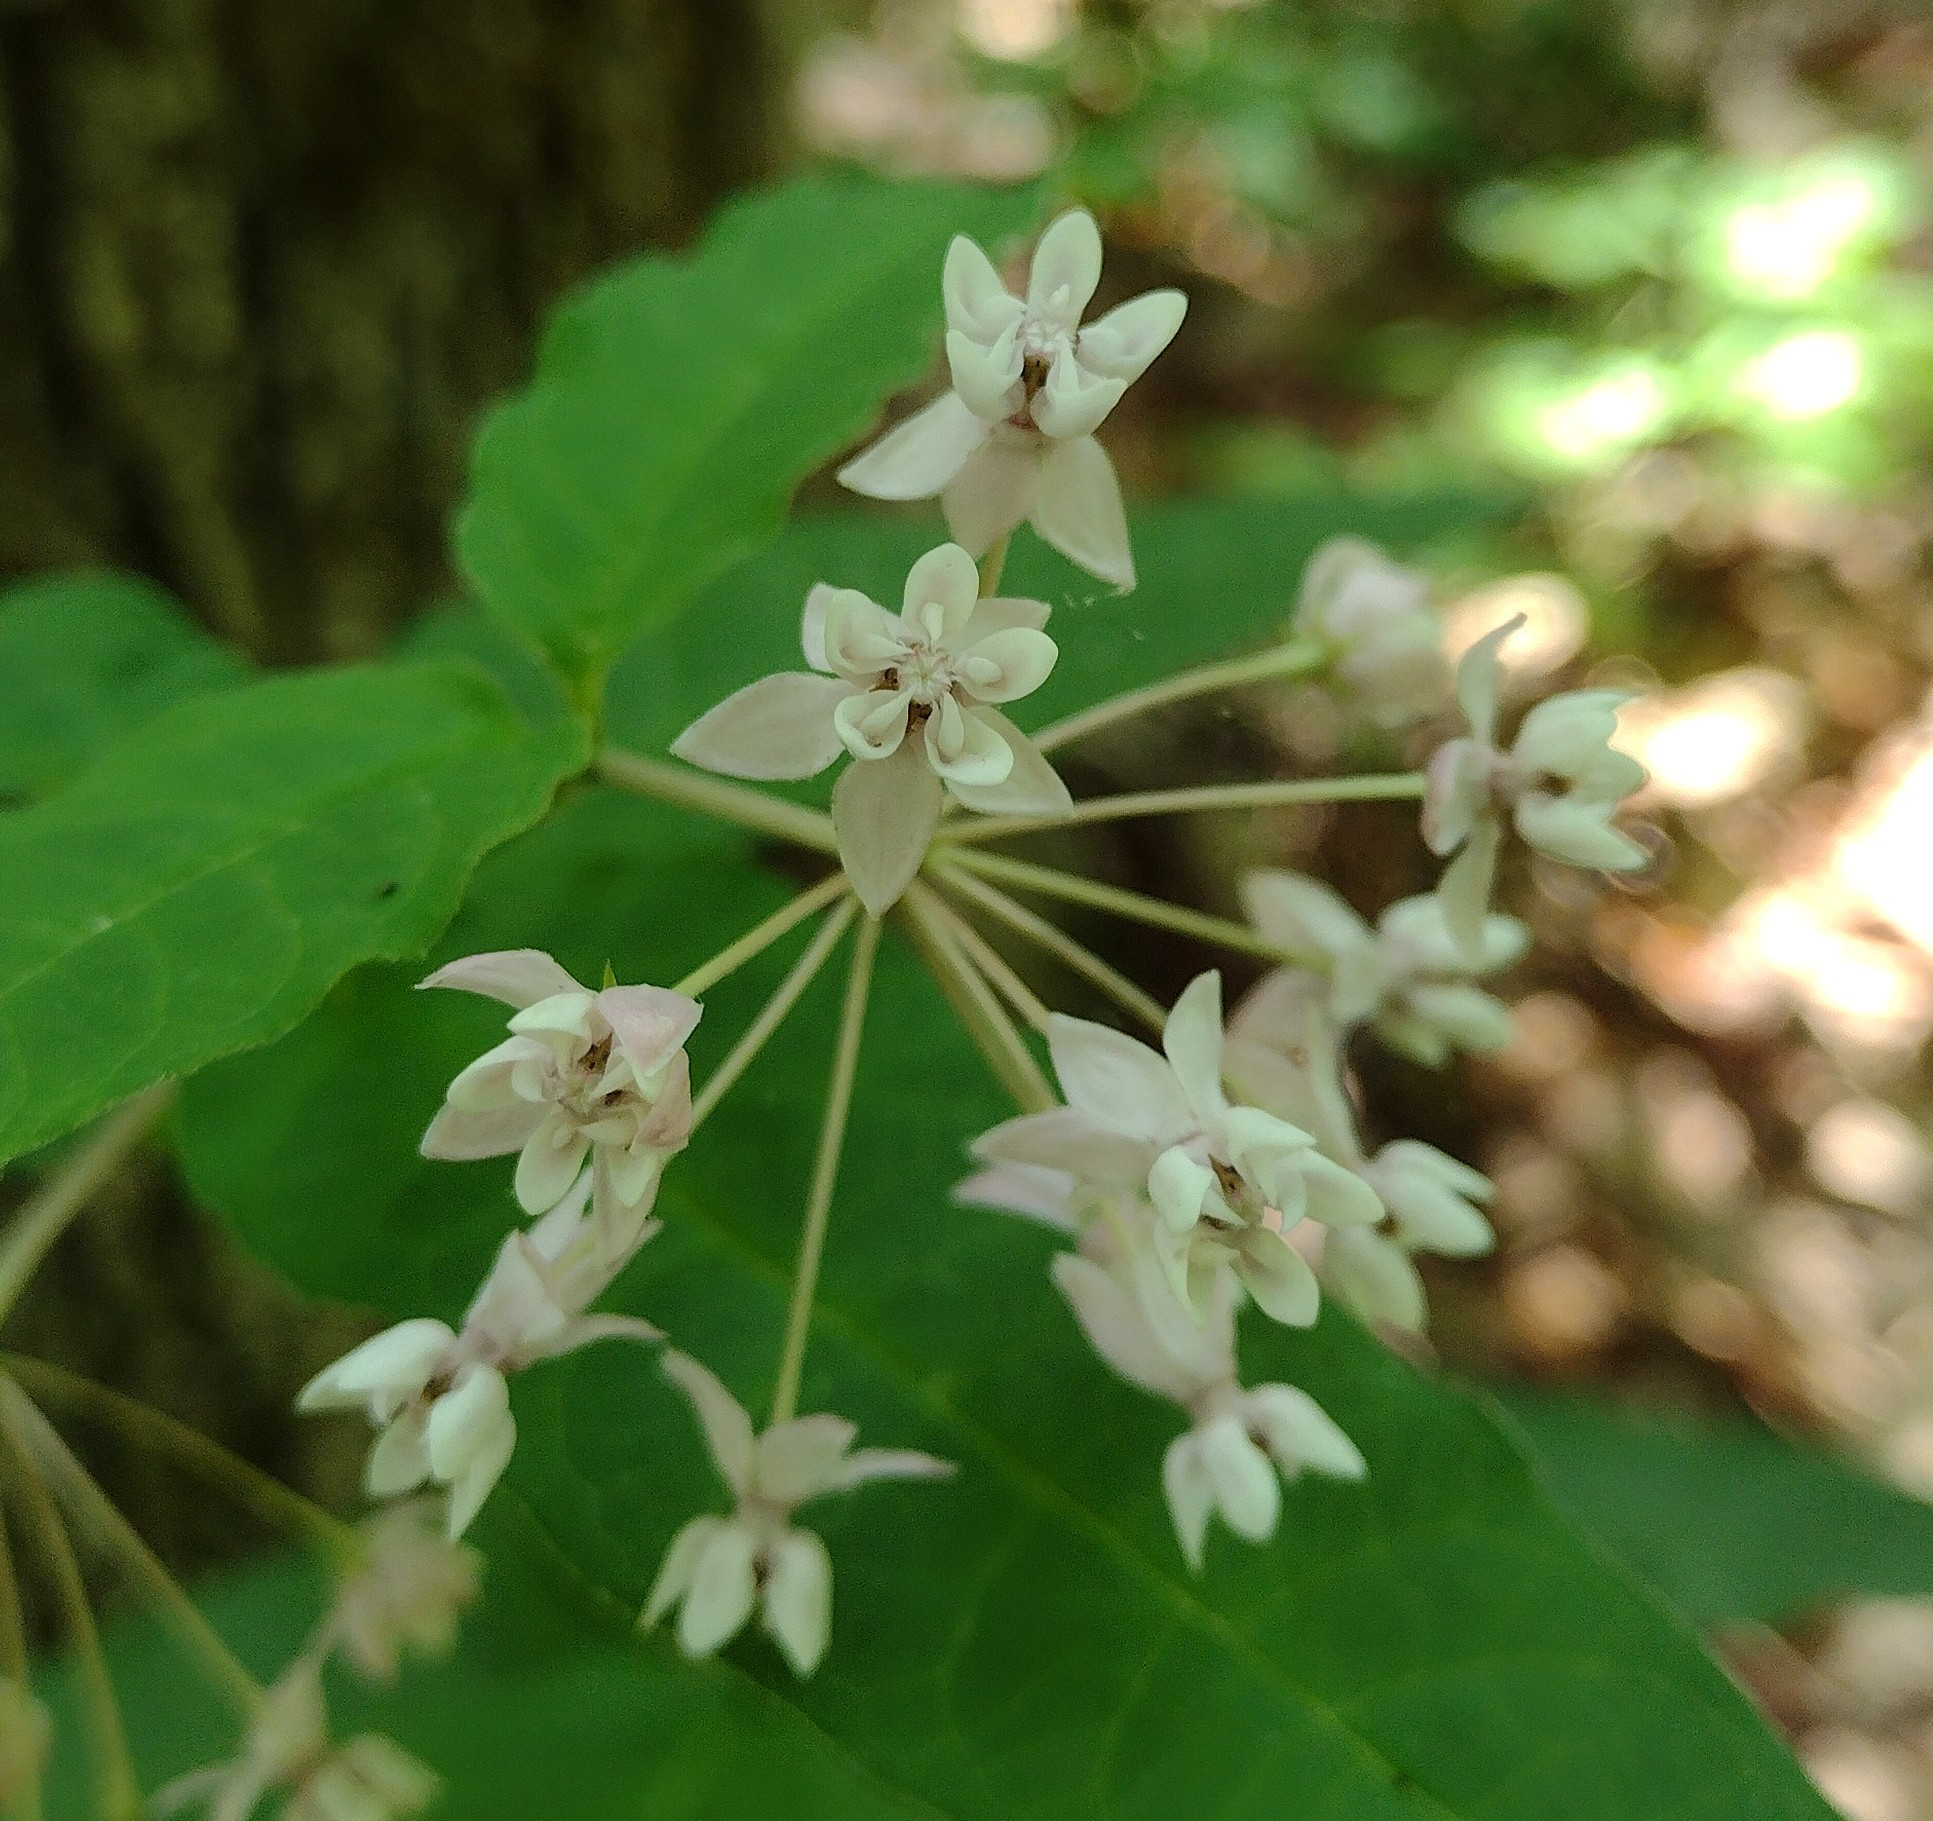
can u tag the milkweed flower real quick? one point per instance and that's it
(1013, 440)
(914, 698)
(404, 1593)
(718, 1569)
(583, 1075)
(1375, 618)
(440, 1397)
(1228, 1181)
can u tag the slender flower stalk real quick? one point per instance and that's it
(777, 1009)
(825, 1172)
(753, 809)
(758, 939)
(13, 1665)
(1069, 888)
(51, 1210)
(1295, 659)
(992, 564)
(1269, 793)
(90, 1511)
(993, 966)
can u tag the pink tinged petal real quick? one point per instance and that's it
(1294, 1428)
(1192, 1040)
(1122, 344)
(1077, 508)
(492, 1081)
(1179, 1187)
(945, 578)
(651, 1023)
(963, 749)
(1065, 270)
(994, 489)
(1190, 1494)
(797, 1606)
(1001, 613)
(920, 457)
(872, 724)
(728, 1430)
(385, 1372)
(517, 976)
(1004, 666)
(1066, 1140)
(869, 1464)
(1120, 1084)
(800, 1459)
(1119, 1331)
(723, 1588)
(1074, 402)
(548, 1164)
(1279, 1278)
(1031, 788)
(399, 1460)
(513, 1310)
(457, 1136)
(779, 727)
(883, 816)
(1464, 889)
(667, 1126)
(1248, 1492)
(1374, 1276)
(977, 303)
(680, 1565)
(1033, 1191)
(1576, 834)
(986, 375)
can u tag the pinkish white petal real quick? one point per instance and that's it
(994, 490)
(1300, 1433)
(1000, 613)
(920, 457)
(779, 727)
(1033, 1191)
(1122, 344)
(680, 1564)
(1118, 1082)
(868, 1464)
(1004, 666)
(1464, 889)
(1192, 1041)
(1248, 1491)
(884, 813)
(1479, 681)
(399, 1460)
(385, 1372)
(800, 1459)
(963, 749)
(724, 1587)
(798, 1599)
(1066, 268)
(1031, 788)
(1077, 508)
(1190, 1494)
(1113, 1321)
(517, 976)
(458, 1136)
(977, 303)
(651, 1023)
(728, 1430)
(1373, 1275)
(1069, 1140)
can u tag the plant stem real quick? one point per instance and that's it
(89, 1508)
(993, 966)
(825, 1172)
(711, 796)
(756, 941)
(1071, 889)
(1297, 658)
(117, 1796)
(804, 971)
(46, 1214)
(267, 1498)
(1055, 941)
(13, 1663)
(1265, 794)
(992, 564)
(982, 1014)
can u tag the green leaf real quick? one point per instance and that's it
(1216, 575)
(678, 402)
(86, 657)
(1728, 1520)
(200, 888)
(1435, 1642)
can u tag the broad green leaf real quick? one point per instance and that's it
(85, 657)
(1728, 1520)
(200, 888)
(1436, 1642)
(678, 402)
(1216, 576)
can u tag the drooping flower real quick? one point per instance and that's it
(912, 697)
(1013, 440)
(287, 1752)
(1228, 1181)
(440, 1397)
(583, 1075)
(1560, 780)
(1375, 617)
(405, 1592)
(718, 1569)
(1240, 1444)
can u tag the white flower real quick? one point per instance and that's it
(287, 1752)
(911, 696)
(1375, 616)
(1228, 1181)
(1240, 1441)
(405, 1592)
(26, 1734)
(439, 1397)
(720, 1568)
(1406, 977)
(1561, 781)
(583, 1074)
(1014, 439)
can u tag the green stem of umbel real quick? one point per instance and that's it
(757, 940)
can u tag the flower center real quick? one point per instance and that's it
(924, 671)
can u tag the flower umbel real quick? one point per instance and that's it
(1014, 439)
(719, 1568)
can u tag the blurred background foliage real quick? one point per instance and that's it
(1651, 279)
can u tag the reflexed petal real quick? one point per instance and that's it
(1300, 912)
(1192, 1041)
(1033, 1191)
(1300, 1433)
(728, 1430)
(398, 1783)
(723, 1588)
(1066, 268)
(1247, 1489)
(872, 723)
(800, 1459)
(1575, 834)
(1111, 1317)
(993, 491)
(1077, 508)
(1478, 680)
(977, 303)
(651, 1023)
(986, 375)
(1456, 794)
(1075, 402)
(1031, 788)
(1118, 1082)
(478, 1480)
(399, 1460)
(1179, 1187)
(1190, 1493)
(1122, 344)
(458, 1136)
(1464, 889)
(1562, 735)
(517, 976)
(1372, 1274)
(1000, 613)
(884, 814)
(1279, 1278)
(1004, 666)
(1471, 1018)
(946, 577)
(490, 1082)
(1064, 1139)
(867, 1464)
(549, 1162)
(1338, 1197)
(680, 1564)
(385, 1371)
(468, 1421)
(779, 727)
(798, 1599)
(920, 457)
(963, 749)
(1608, 777)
